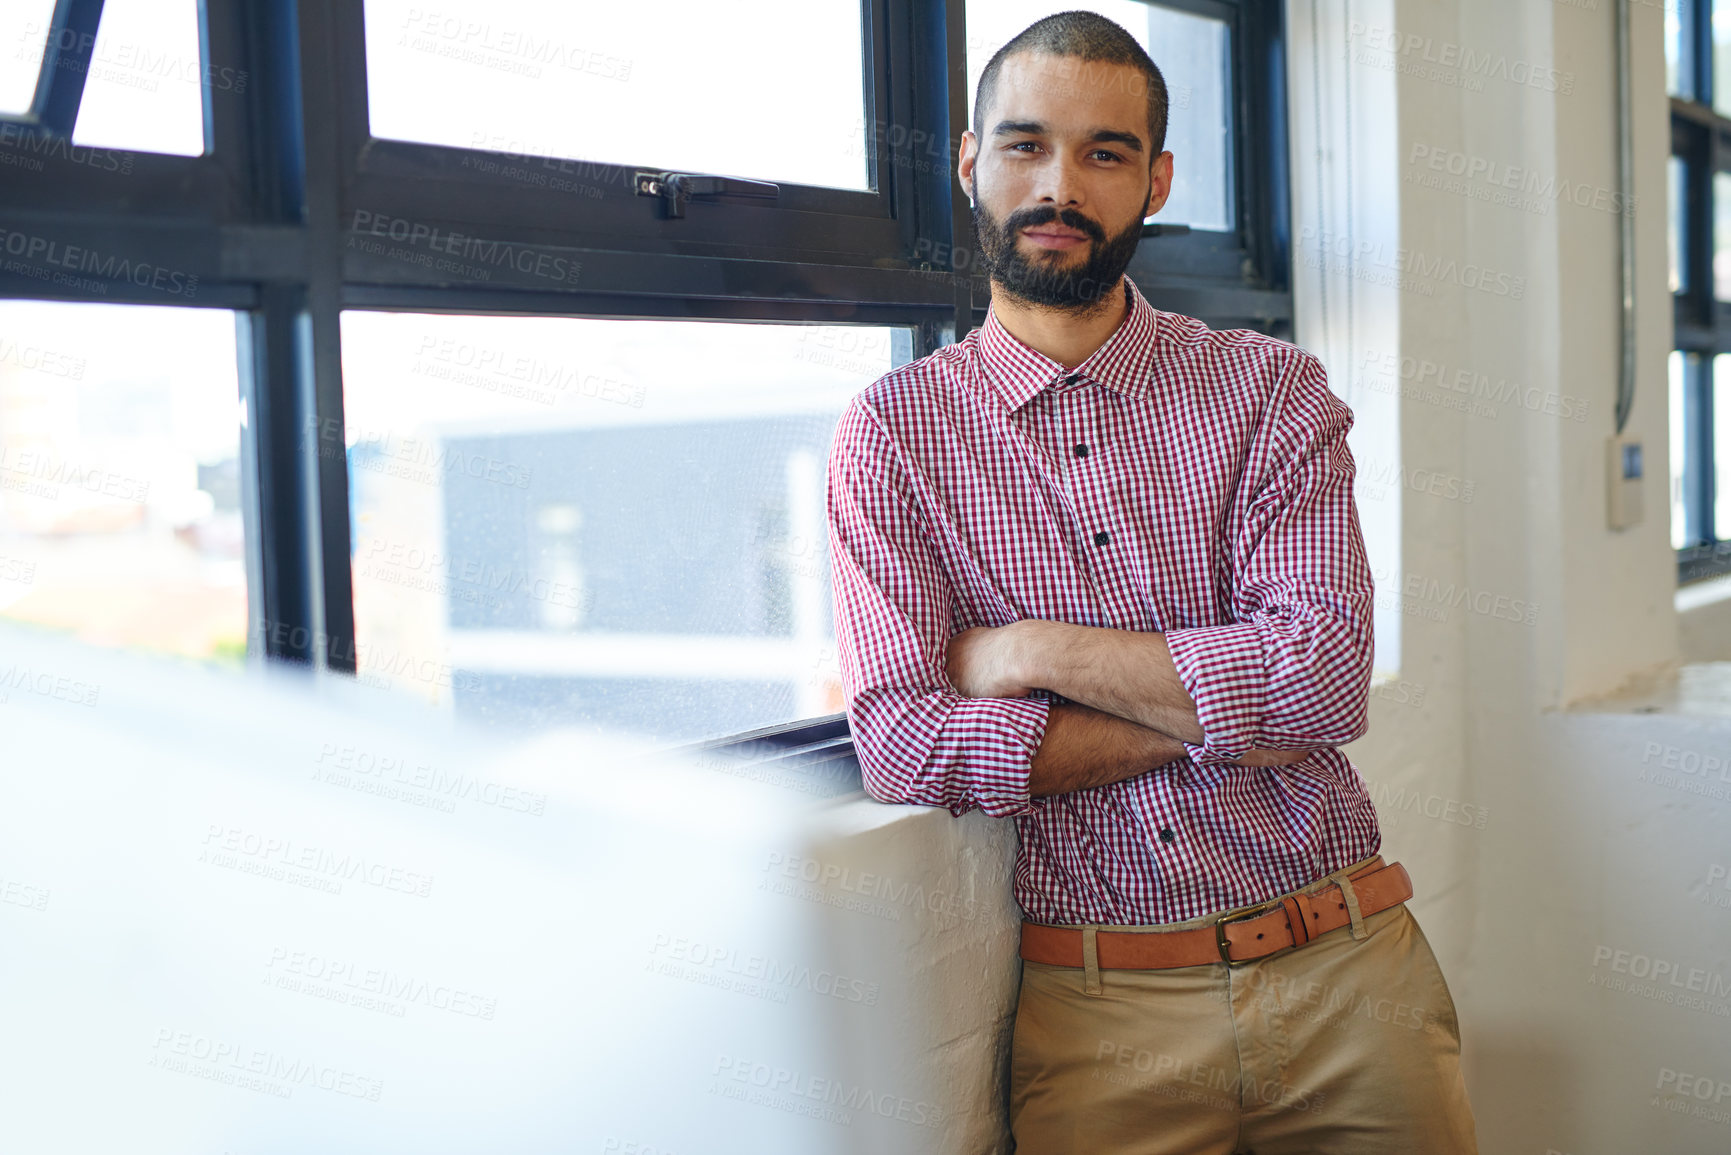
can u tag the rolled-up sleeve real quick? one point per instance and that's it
(918, 740)
(1292, 670)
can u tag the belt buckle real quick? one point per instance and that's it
(1225, 947)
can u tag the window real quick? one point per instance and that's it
(141, 75)
(144, 88)
(120, 496)
(1679, 78)
(538, 320)
(1676, 187)
(24, 30)
(1698, 37)
(1679, 453)
(485, 74)
(1720, 51)
(612, 522)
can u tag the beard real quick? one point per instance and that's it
(1051, 279)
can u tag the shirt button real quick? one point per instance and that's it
(1072, 378)
(1166, 834)
(1102, 538)
(1080, 450)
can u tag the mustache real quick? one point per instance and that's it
(1046, 214)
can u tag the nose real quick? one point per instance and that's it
(1059, 183)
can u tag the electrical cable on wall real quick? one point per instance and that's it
(1626, 180)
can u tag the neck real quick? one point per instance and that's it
(1066, 336)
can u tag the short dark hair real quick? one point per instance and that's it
(1093, 39)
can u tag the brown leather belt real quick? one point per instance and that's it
(1291, 921)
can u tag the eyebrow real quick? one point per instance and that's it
(1099, 136)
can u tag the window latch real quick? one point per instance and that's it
(677, 188)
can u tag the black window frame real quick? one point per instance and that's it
(1701, 141)
(267, 219)
(1243, 277)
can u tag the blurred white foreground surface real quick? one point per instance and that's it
(254, 915)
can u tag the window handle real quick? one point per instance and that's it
(677, 188)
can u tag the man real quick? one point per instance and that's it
(1098, 568)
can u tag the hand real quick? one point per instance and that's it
(982, 662)
(1273, 757)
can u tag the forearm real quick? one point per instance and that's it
(1089, 743)
(1123, 673)
(1084, 747)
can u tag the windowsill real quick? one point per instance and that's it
(1696, 690)
(1707, 592)
(1703, 564)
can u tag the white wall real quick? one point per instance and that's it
(1547, 827)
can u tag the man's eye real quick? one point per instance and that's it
(1107, 155)
(1021, 144)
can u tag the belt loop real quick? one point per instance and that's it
(1351, 896)
(1091, 984)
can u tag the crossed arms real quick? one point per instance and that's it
(946, 720)
(1134, 711)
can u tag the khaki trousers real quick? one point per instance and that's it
(1345, 1046)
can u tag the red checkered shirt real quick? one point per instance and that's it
(1181, 479)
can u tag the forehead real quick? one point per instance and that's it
(1069, 94)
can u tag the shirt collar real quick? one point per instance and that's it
(1123, 364)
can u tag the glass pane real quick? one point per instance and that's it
(775, 91)
(617, 523)
(1722, 56)
(120, 516)
(1676, 185)
(1722, 447)
(1678, 79)
(1722, 236)
(1192, 54)
(1679, 448)
(23, 24)
(145, 91)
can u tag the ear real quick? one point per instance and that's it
(1159, 184)
(968, 155)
